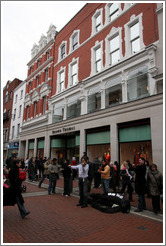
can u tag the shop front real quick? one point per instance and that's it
(40, 148)
(135, 141)
(31, 149)
(98, 143)
(64, 147)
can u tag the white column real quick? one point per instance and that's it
(102, 95)
(114, 141)
(124, 86)
(65, 109)
(26, 149)
(35, 147)
(83, 105)
(21, 151)
(47, 146)
(82, 142)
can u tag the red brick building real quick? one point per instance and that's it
(105, 63)
(8, 92)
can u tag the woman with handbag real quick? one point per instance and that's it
(155, 186)
(14, 195)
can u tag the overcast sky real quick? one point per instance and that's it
(22, 24)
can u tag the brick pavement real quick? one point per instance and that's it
(56, 219)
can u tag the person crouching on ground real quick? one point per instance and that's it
(105, 177)
(83, 169)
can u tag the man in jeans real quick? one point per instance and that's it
(83, 169)
(105, 177)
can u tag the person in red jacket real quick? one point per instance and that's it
(74, 163)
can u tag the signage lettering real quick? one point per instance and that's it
(64, 129)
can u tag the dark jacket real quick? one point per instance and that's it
(66, 171)
(140, 181)
(15, 188)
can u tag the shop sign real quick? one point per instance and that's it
(64, 129)
(14, 145)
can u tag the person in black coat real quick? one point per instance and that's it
(96, 174)
(67, 176)
(14, 196)
(140, 184)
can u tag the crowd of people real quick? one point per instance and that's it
(112, 177)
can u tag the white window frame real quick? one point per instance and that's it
(128, 5)
(64, 43)
(21, 95)
(114, 33)
(14, 115)
(62, 70)
(99, 12)
(20, 109)
(107, 13)
(76, 32)
(18, 129)
(93, 57)
(13, 129)
(127, 26)
(70, 80)
(16, 98)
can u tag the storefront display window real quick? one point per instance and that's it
(132, 151)
(31, 149)
(137, 83)
(98, 144)
(40, 148)
(135, 142)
